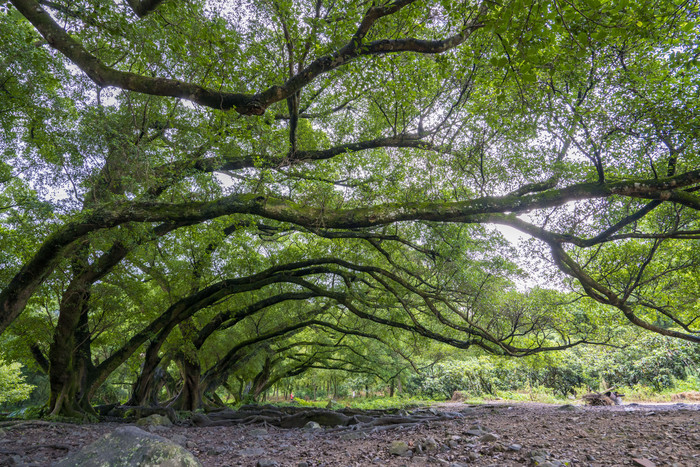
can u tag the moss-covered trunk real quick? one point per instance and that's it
(144, 389)
(69, 355)
(260, 383)
(190, 396)
(69, 362)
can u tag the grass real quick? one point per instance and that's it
(543, 395)
(538, 395)
(362, 403)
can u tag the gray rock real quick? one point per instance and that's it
(514, 447)
(157, 428)
(180, 439)
(127, 446)
(266, 463)
(354, 435)
(427, 444)
(154, 420)
(498, 447)
(489, 437)
(251, 452)
(312, 426)
(303, 464)
(258, 432)
(399, 448)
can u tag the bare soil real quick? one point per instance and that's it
(525, 434)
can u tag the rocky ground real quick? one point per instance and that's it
(500, 435)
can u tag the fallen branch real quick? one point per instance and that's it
(608, 397)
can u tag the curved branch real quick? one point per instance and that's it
(245, 104)
(15, 296)
(602, 294)
(188, 306)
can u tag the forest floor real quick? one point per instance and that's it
(522, 434)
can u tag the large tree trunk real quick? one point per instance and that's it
(144, 389)
(69, 354)
(190, 397)
(260, 383)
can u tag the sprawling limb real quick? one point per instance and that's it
(246, 104)
(14, 297)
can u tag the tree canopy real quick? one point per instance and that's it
(252, 189)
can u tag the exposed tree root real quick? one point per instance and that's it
(293, 417)
(134, 411)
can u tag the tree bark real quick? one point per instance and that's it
(260, 383)
(69, 354)
(190, 396)
(144, 389)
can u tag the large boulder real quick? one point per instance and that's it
(128, 446)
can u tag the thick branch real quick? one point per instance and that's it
(14, 297)
(188, 306)
(602, 294)
(246, 104)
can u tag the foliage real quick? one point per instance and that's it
(474, 376)
(241, 195)
(387, 403)
(13, 389)
(657, 363)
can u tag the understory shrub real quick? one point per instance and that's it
(13, 389)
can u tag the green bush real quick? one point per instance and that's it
(654, 364)
(13, 389)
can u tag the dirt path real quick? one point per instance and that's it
(523, 434)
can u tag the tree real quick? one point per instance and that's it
(274, 151)
(12, 386)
